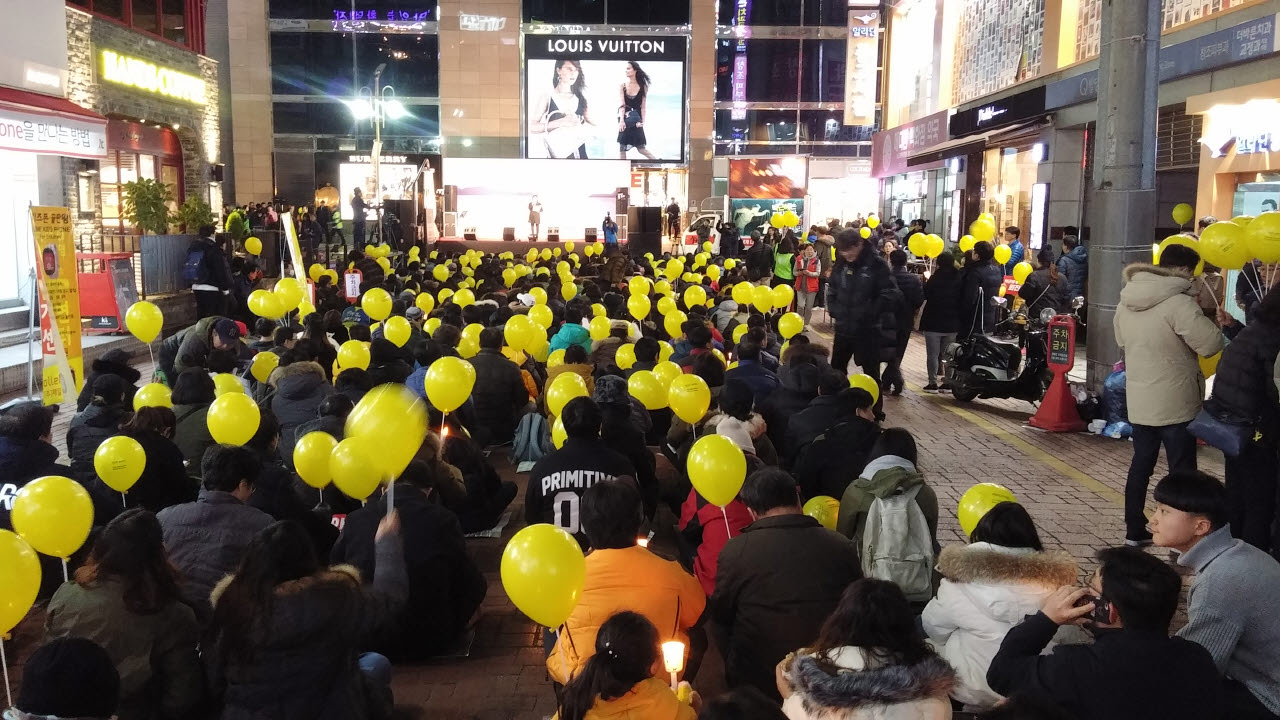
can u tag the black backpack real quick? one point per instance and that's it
(193, 270)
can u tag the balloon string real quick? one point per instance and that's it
(65, 577)
(153, 358)
(728, 531)
(4, 666)
(124, 500)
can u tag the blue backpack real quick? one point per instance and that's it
(193, 269)
(532, 439)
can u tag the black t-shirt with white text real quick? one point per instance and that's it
(558, 481)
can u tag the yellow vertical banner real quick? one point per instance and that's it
(59, 302)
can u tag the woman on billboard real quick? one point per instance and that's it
(634, 95)
(563, 116)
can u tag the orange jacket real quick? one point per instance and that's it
(626, 579)
(650, 699)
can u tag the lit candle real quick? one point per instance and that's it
(673, 658)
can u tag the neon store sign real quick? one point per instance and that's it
(152, 78)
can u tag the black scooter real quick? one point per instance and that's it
(992, 366)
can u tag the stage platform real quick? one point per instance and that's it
(519, 247)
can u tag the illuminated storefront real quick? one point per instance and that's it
(1240, 150)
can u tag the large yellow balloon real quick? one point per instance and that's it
(694, 296)
(449, 382)
(376, 303)
(224, 383)
(638, 306)
(397, 329)
(967, 242)
(662, 287)
(354, 467)
(119, 461)
(540, 348)
(762, 298)
(648, 389)
(305, 308)
(263, 364)
(638, 285)
(539, 295)
(353, 354)
(464, 297)
(598, 328)
(689, 398)
(472, 332)
(1263, 237)
(311, 458)
(152, 395)
(665, 351)
(19, 580)
(977, 501)
(425, 302)
(866, 382)
(393, 419)
(873, 222)
(253, 246)
(666, 305)
(543, 571)
(233, 419)
(789, 326)
(564, 388)
(917, 244)
(440, 272)
(742, 293)
(315, 272)
(673, 323)
(431, 326)
(568, 290)
(290, 291)
(521, 333)
(555, 359)
(558, 433)
(741, 330)
(713, 272)
(1182, 213)
(1021, 272)
(264, 303)
(667, 372)
(1003, 253)
(825, 509)
(782, 297)
(673, 270)
(717, 468)
(53, 514)
(625, 357)
(541, 315)
(982, 230)
(934, 247)
(144, 321)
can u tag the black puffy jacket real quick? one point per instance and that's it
(863, 298)
(941, 307)
(300, 388)
(981, 282)
(499, 393)
(1244, 387)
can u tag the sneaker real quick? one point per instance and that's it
(895, 391)
(1140, 542)
(946, 387)
(931, 388)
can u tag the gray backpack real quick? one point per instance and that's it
(897, 546)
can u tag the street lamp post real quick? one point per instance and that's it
(376, 105)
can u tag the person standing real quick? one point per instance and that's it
(210, 274)
(784, 270)
(1162, 332)
(730, 240)
(979, 285)
(610, 230)
(824, 243)
(1016, 249)
(1073, 266)
(673, 220)
(861, 294)
(912, 289)
(941, 316)
(535, 217)
(357, 217)
(1044, 288)
(808, 274)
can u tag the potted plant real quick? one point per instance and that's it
(146, 205)
(193, 214)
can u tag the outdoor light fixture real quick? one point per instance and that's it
(377, 104)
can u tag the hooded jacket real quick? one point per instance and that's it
(829, 464)
(1074, 268)
(300, 388)
(941, 302)
(797, 386)
(1243, 385)
(191, 435)
(630, 578)
(499, 394)
(1163, 333)
(650, 699)
(113, 362)
(571, 334)
(861, 295)
(882, 477)
(986, 590)
(864, 688)
(820, 415)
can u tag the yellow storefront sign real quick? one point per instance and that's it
(59, 302)
(143, 75)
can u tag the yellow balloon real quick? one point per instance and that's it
(233, 419)
(305, 308)
(625, 356)
(825, 509)
(873, 222)
(1003, 253)
(472, 332)
(935, 246)
(253, 246)
(469, 347)
(789, 325)
(19, 580)
(540, 347)
(1263, 237)
(967, 242)
(392, 419)
(431, 326)
(719, 356)
(666, 305)
(917, 244)
(639, 306)
(311, 458)
(555, 359)
(444, 295)
(864, 232)
(152, 395)
(520, 332)
(597, 310)
(539, 295)
(315, 272)
(290, 291)
(440, 272)
(638, 285)
(977, 501)
(662, 287)
(449, 383)
(545, 254)
(464, 297)
(54, 514)
(1209, 365)
(384, 263)
(982, 230)
(673, 323)
(599, 328)
(262, 365)
(354, 467)
(542, 316)
(1182, 213)
(743, 293)
(425, 302)
(713, 272)
(1242, 220)
(694, 296)
(741, 330)
(866, 382)
(689, 398)
(509, 277)
(717, 468)
(543, 571)
(782, 297)
(119, 461)
(1183, 240)
(762, 298)
(264, 303)
(224, 383)
(646, 387)
(1021, 272)
(397, 329)
(558, 433)
(665, 351)
(564, 388)
(730, 264)
(144, 320)
(353, 354)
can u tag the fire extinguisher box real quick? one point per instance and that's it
(107, 290)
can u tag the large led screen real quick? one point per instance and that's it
(605, 97)
(768, 178)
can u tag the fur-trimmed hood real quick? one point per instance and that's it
(986, 563)
(298, 380)
(862, 685)
(1148, 285)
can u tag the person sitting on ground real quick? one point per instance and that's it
(765, 603)
(286, 630)
(798, 379)
(500, 395)
(558, 481)
(487, 494)
(604, 353)
(619, 430)
(113, 362)
(27, 453)
(164, 481)
(735, 416)
(828, 464)
(67, 678)
(869, 656)
(387, 363)
(273, 490)
(618, 681)
(833, 405)
(445, 586)
(300, 388)
(352, 382)
(571, 333)
(891, 468)
(697, 342)
(988, 586)
(1133, 669)
(126, 599)
(206, 538)
(622, 575)
(647, 351)
(743, 703)
(705, 528)
(761, 380)
(92, 426)
(575, 361)
(193, 393)
(1229, 607)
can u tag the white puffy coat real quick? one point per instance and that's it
(986, 590)
(850, 683)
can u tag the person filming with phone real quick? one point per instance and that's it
(1133, 669)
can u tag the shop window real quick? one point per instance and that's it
(167, 19)
(823, 77)
(616, 12)
(146, 16)
(778, 12)
(773, 70)
(173, 21)
(321, 63)
(325, 9)
(413, 66)
(826, 12)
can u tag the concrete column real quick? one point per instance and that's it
(702, 98)
(1124, 206)
(249, 139)
(480, 81)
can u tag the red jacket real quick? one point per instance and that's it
(703, 524)
(804, 283)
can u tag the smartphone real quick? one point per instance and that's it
(1101, 612)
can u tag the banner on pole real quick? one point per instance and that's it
(59, 303)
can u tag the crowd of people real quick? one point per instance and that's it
(222, 583)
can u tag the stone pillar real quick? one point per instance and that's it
(702, 99)
(249, 75)
(480, 81)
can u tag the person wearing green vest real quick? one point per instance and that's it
(784, 259)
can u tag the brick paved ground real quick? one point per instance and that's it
(1071, 484)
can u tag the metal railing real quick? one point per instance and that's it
(157, 259)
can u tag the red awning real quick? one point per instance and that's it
(31, 122)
